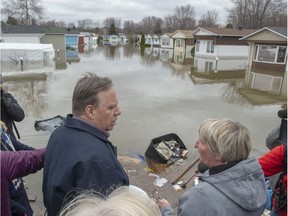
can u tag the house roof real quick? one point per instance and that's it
(186, 33)
(225, 31)
(35, 29)
(21, 29)
(55, 30)
(166, 35)
(281, 31)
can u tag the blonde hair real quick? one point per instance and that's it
(3, 125)
(226, 138)
(124, 201)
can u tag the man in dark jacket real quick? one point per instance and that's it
(79, 154)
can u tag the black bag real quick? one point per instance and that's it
(152, 153)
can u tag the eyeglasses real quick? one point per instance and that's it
(155, 194)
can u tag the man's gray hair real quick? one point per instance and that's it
(86, 92)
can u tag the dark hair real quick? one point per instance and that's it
(86, 91)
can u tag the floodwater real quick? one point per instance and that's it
(156, 95)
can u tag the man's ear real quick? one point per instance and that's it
(90, 111)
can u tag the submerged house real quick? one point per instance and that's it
(267, 62)
(221, 42)
(219, 49)
(22, 49)
(166, 41)
(72, 42)
(183, 42)
(21, 33)
(56, 37)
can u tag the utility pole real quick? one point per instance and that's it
(27, 14)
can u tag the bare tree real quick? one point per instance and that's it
(25, 11)
(209, 19)
(255, 14)
(169, 23)
(129, 26)
(151, 25)
(112, 20)
(53, 23)
(185, 17)
(85, 24)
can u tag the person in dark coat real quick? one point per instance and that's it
(10, 110)
(79, 155)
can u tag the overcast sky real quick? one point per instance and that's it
(97, 10)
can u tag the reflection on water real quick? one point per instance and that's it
(157, 95)
(29, 92)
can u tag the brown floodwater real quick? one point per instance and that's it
(156, 95)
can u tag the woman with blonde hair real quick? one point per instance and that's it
(124, 201)
(233, 184)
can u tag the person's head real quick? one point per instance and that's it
(95, 100)
(124, 201)
(222, 141)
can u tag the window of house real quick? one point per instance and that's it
(179, 43)
(197, 45)
(208, 66)
(270, 53)
(165, 41)
(210, 47)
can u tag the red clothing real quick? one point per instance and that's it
(273, 163)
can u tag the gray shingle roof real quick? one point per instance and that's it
(280, 30)
(35, 29)
(21, 29)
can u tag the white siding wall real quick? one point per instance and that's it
(223, 51)
(21, 39)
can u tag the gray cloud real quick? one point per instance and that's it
(74, 10)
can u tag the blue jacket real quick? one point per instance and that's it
(79, 156)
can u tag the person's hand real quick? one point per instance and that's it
(162, 203)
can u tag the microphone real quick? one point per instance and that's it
(282, 113)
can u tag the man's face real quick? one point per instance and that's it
(105, 115)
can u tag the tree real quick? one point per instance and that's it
(129, 26)
(151, 24)
(255, 14)
(169, 23)
(109, 20)
(25, 11)
(229, 25)
(142, 42)
(53, 23)
(112, 30)
(185, 17)
(209, 19)
(85, 25)
(11, 21)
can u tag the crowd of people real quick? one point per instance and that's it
(82, 175)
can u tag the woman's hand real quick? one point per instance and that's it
(162, 203)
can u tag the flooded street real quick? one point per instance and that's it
(156, 97)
